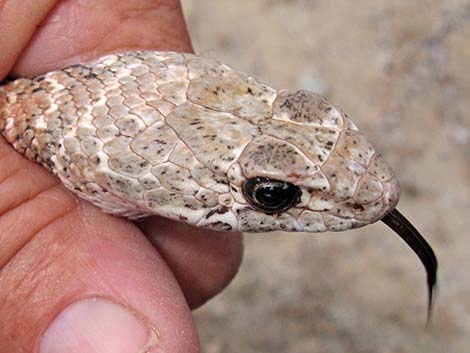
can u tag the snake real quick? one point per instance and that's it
(186, 137)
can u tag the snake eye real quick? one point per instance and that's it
(270, 196)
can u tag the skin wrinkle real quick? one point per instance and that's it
(16, 212)
(73, 18)
(17, 175)
(86, 216)
(18, 167)
(37, 275)
(10, 172)
(87, 46)
(140, 11)
(25, 286)
(14, 49)
(89, 254)
(29, 284)
(12, 164)
(40, 265)
(227, 269)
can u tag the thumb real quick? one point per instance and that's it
(73, 279)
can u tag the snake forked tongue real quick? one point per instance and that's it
(420, 246)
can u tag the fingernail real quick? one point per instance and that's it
(96, 325)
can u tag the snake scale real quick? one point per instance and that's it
(188, 138)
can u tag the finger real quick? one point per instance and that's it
(203, 261)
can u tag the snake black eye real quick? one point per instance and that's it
(270, 196)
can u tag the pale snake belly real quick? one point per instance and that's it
(188, 138)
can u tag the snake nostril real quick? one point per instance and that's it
(358, 207)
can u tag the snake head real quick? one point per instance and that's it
(311, 170)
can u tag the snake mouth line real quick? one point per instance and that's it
(420, 246)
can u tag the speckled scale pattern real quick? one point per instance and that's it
(145, 132)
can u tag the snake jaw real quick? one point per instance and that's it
(398, 223)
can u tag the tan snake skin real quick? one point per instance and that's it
(174, 134)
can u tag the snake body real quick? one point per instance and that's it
(186, 137)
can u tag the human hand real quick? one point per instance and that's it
(73, 279)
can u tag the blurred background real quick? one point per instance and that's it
(401, 69)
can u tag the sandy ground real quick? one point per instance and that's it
(401, 69)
